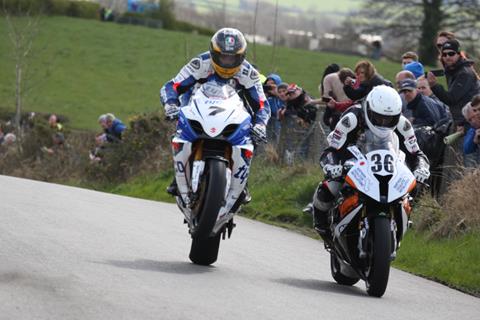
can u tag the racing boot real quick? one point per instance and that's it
(320, 223)
(173, 188)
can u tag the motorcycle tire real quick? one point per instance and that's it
(204, 251)
(381, 246)
(213, 199)
(337, 275)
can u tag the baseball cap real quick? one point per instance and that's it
(451, 45)
(407, 84)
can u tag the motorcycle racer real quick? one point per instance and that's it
(225, 63)
(380, 113)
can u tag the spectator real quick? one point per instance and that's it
(462, 81)
(399, 77)
(366, 79)
(339, 102)
(276, 104)
(330, 82)
(112, 127)
(54, 124)
(298, 116)
(282, 93)
(96, 155)
(9, 139)
(302, 104)
(425, 111)
(471, 141)
(442, 37)
(331, 88)
(424, 88)
(431, 124)
(416, 68)
(58, 143)
(409, 57)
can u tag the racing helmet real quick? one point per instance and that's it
(383, 107)
(228, 48)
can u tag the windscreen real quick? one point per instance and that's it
(215, 90)
(372, 142)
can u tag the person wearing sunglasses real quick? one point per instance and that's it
(462, 81)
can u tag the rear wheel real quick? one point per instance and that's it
(337, 275)
(205, 245)
(380, 251)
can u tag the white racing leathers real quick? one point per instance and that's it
(200, 70)
(350, 130)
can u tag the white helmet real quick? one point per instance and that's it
(383, 107)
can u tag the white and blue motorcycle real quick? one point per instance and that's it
(212, 152)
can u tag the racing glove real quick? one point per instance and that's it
(259, 132)
(421, 174)
(333, 170)
(171, 111)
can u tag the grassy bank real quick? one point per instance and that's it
(83, 68)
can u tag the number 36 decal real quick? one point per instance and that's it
(381, 163)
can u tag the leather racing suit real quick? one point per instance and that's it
(346, 133)
(200, 70)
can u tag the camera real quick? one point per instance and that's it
(267, 87)
(436, 73)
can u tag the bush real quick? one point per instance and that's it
(457, 213)
(80, 9)
(145, 147)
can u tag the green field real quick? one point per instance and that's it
(83, 68)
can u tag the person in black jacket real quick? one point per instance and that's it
(462, 81)
(367, 78)
(425, 111)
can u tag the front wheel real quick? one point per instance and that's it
(204, 251)
(380, 251)
(212, 200)
(205, 245)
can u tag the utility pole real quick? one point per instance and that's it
(274, 40)
(255, 33)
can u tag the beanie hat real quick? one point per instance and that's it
(275, 77)
(416, 68)
(451, 45)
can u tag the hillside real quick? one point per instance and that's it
(83, 68)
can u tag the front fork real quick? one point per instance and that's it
(364, 233)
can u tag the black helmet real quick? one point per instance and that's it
(228, 48)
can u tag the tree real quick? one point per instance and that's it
(22, 28)
(420, 21)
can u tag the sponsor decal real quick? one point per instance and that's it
(213, 130)
(407, 126)
(195, 64)
(245, 71)
(215, 110)
(401, 184)
(254, 75)
(346, 122)
(229, 43)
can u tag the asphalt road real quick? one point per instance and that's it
(69, 253)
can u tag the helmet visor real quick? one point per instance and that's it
(381, 120)
(227, 60)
